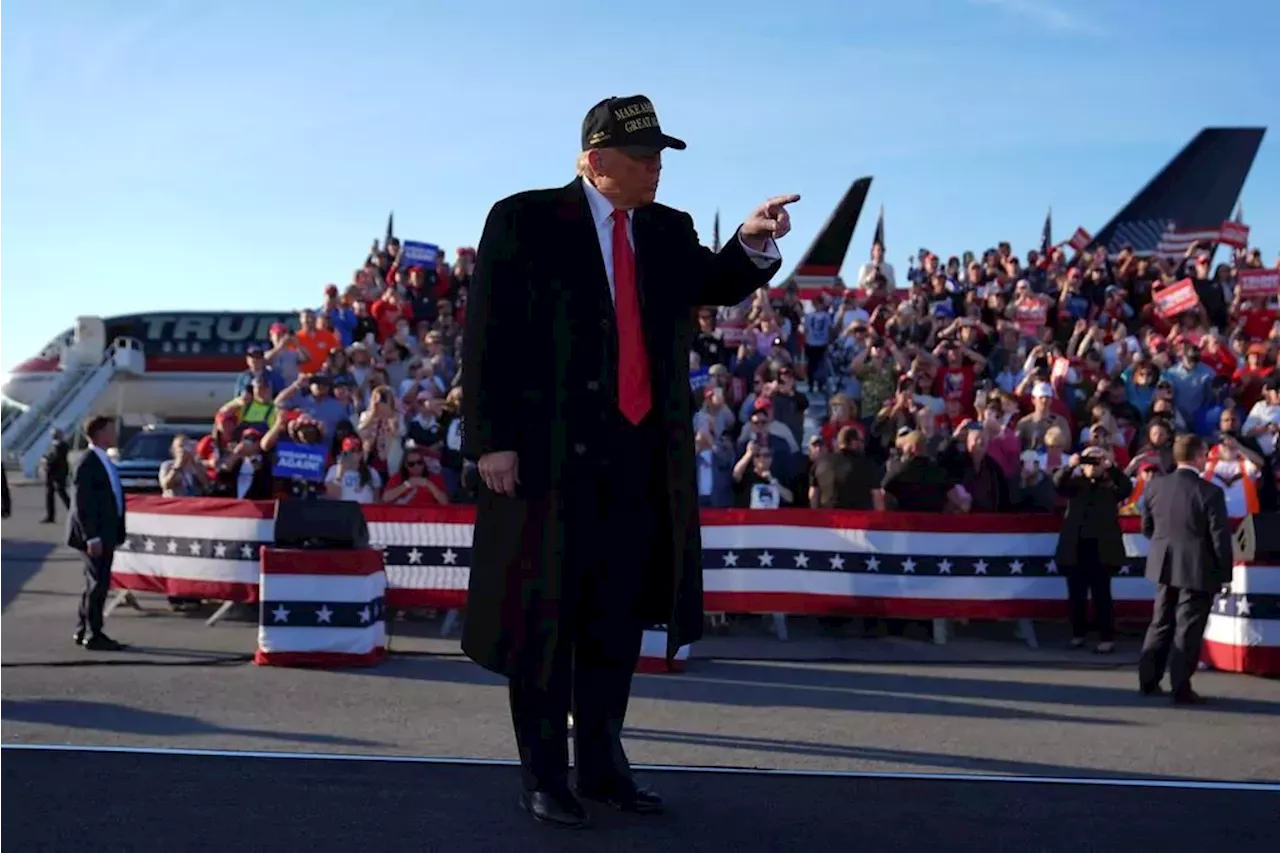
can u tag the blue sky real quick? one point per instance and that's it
(184, 155)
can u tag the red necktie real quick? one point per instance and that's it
(635, 397)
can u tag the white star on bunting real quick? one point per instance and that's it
(280, 614)
(837, 562)
(194, 548)
(766, 559)
(944, 566)
(364, 614)
(980, 567)
(219, 550)
(415, 557)
(172, 547)
(730, 559)
(125, 545)
(1243, 606)
(1015, 568)
(324, 614)
(246, 551)
(150, 544)
(909, 566)
(872, 564)
(450, 557)
(1051, 567)
(1222, 604)
(802, 561)
(1124, 570)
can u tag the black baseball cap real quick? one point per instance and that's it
(629, 123)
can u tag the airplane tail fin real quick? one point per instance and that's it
(1189, 199)
(821, 263)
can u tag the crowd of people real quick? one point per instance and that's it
(992, 384)
(968, 387)
(362, 402)
(964, 388)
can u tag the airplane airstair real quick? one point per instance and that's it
(66, 403)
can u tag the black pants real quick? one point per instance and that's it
(815, 364)
(1083, 583)
(617, 519)
(97, 583)
(55, 486)
(1178, 620)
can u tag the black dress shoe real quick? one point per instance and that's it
(78, 637)
(556, 808)
(624, 796)
(1187, 696)
(102, 643)
(1153, 689)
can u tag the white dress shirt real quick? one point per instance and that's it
(113, 475)
(116, 491)
(602, 211)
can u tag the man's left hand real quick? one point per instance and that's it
(768, 221)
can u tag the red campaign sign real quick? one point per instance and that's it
(1234, 234)
(1174, 299)
(732, 333)
(1258, 283)
(1080, 239)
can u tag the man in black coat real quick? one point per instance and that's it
(576, 407)
(95, 527)
(56, 470)
(1190, 558)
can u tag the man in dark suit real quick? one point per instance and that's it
(576, 407)
(56, 470)
(1190, 558)
(95, 527)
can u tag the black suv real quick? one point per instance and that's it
(139, 460)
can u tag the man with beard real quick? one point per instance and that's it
(586, 525)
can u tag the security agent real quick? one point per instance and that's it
(1189, 559)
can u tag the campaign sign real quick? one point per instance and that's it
(1258, 283)
(414, 254)
(1234, 234)
(305, 461)
(1174, 299)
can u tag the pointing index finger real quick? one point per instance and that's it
(782, 199)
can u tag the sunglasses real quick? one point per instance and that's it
(414, 463)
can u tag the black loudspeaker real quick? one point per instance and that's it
(320, 524)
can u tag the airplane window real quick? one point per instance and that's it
(182, 346)
(222, 347)
(166, 347)
(195, 347)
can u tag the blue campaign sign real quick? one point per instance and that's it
(415, 254)
(306, 461)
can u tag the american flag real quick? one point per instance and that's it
(1046, 236)
(1159, 237)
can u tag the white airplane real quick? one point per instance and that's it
(192, 360)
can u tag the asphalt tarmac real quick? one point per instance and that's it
(188, 686)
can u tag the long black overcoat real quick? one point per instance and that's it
(539, 375)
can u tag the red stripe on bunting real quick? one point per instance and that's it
(896, 522)
(241, 593)
(1254, 660)
(444, 599)
(214, 507)
(320, 660)
(378, 513)
(298, 561)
